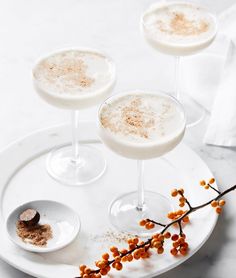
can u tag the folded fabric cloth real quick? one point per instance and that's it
(214, 87)
(222, 126)
(202, 73)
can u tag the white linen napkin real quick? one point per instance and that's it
(222, 126)
(214, 72)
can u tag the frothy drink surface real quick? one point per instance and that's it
(73, 72)
(142, 118)
(180, 23)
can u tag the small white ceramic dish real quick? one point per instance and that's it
(64, 221)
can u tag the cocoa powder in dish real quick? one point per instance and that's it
(36, 235)
(29, 229)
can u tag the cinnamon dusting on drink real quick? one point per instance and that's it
(73, 72)
(134, 118)
(182, 26)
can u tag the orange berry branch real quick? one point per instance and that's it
(138, 249)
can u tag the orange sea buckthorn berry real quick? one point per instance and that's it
(101, 265)
(119, 266)
(136, 255)
(182, 199)
(87, 270)
(175, 237)
(124, 259)
(202, 183)
(117, 259)
(183, 251)
(135, 240)
(143, 222)
(174, 192)
(171, 215)
(132, 246)
(116, 254)
(182, 204)
(185, 245)
(207, 186)
(186, 219)
(181, 240)
(175, 244)
(145, 255)
(123, 251)
(142, 250)
(219, 210)
(181, 190)
(183, 235)
(214, 203)
(155, 236)
(157, 244)
(180, 212)
(222, 203)
(161, 237)
(108, 268)
(97, 263)
(82, 267)
(212, 180)
(105, 256)
(153, 241)
(114, 249)
(149, 226)
(160, 250)
(174, 251)
(85, 276)
(167, 235)
(130, 258)
(103, 272)
(98, 275)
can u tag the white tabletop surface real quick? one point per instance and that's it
(29, 29)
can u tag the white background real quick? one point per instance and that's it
(30, 28)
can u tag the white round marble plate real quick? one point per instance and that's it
(23, 178)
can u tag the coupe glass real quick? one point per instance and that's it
(76, 164)
(127, 210)
(194, 111)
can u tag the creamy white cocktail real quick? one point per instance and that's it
(180, 29)
(74, 79)
(140, 125)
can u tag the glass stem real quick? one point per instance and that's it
(75, 139)
(177, 77)
(140, 185)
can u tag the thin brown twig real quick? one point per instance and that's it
(213, 188)
(167, 226)
(156, 223)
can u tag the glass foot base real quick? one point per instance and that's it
(194, 112)
(90, 166)
(125, 216)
